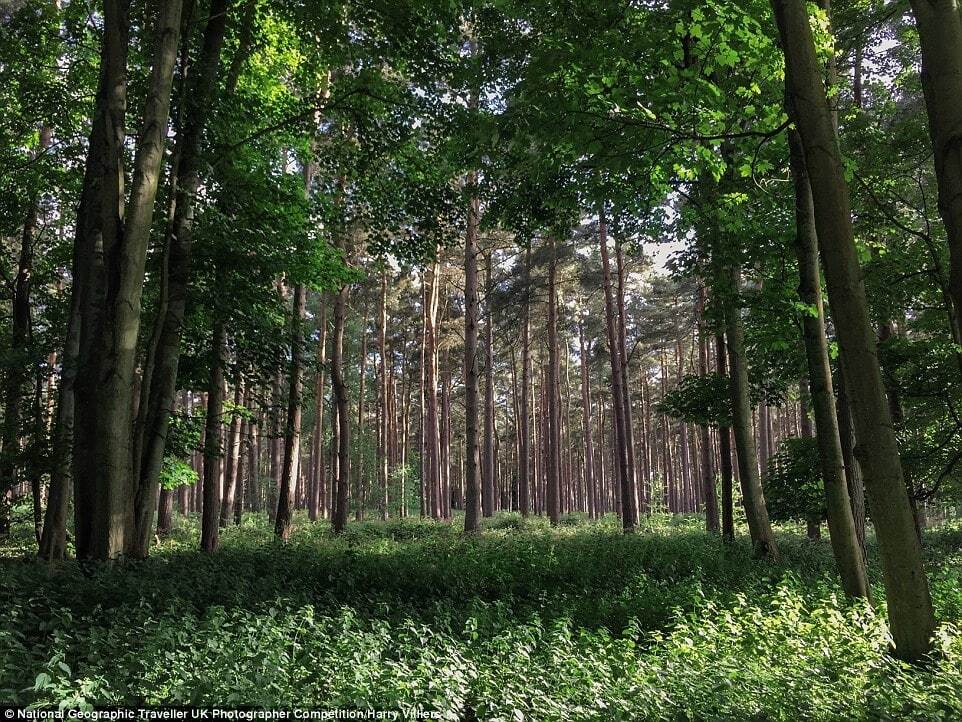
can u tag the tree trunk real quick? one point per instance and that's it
(320, 502)
(553, 489)
(907, 590)
(589, 456)
(213, 441)
(98, 227)
(841, 524)
(753, 498)
(524, 480)
(488, 465)
(629, 510)
(628, 431)
(853, 472)
(707, 472)
(384, 406)
(292, 429)
(160, 373)
(725, 453)
(102, 465)
(472, 460)
(940, 36)
(342, 477)
(232, 459)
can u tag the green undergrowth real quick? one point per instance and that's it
(522, 622)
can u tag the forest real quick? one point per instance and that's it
(499, 360)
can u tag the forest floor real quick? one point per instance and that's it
(521, 623)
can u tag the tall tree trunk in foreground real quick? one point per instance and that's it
(841, 524)
(940, 35)
(472, 460)
(292, 429)
(213, 442)
(907, 591)
(106, 392)
(99, 223)
(163, 354)
(753, 498)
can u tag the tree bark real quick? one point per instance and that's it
(753, 498)
(99, 222)
(213, 441)
(384, 406)
(940, 36)
(232, 459)
(712, 522)
(907, 591)
(586, 426)
(342, 475)
(488, 465)
(160, 373)
(629, 509)
(841, 524)
(553, 489)
(472, 460)
(292, 429)
(524, 470)
(102, 465)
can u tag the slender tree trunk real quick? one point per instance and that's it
(160, 372)
(725, 453)
(627, 425)
(246, 447)
(524, 480)
(213, 441)
(488, 465)
(472, 460)
(753, 498)
(292, 429)
(342, 478)
(841, 524)
(231, 471)
(910, 606)
(589, 456)
(321, 501)
(629, 511)
(554, 412)
(712, 522)
(853, 472)
(383, 411)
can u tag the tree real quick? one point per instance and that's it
(906, 585)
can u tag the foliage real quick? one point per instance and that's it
(699, 400)
(793, 482)
(577, 623)
(176, 472)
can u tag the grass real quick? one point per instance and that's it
(523, 622)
